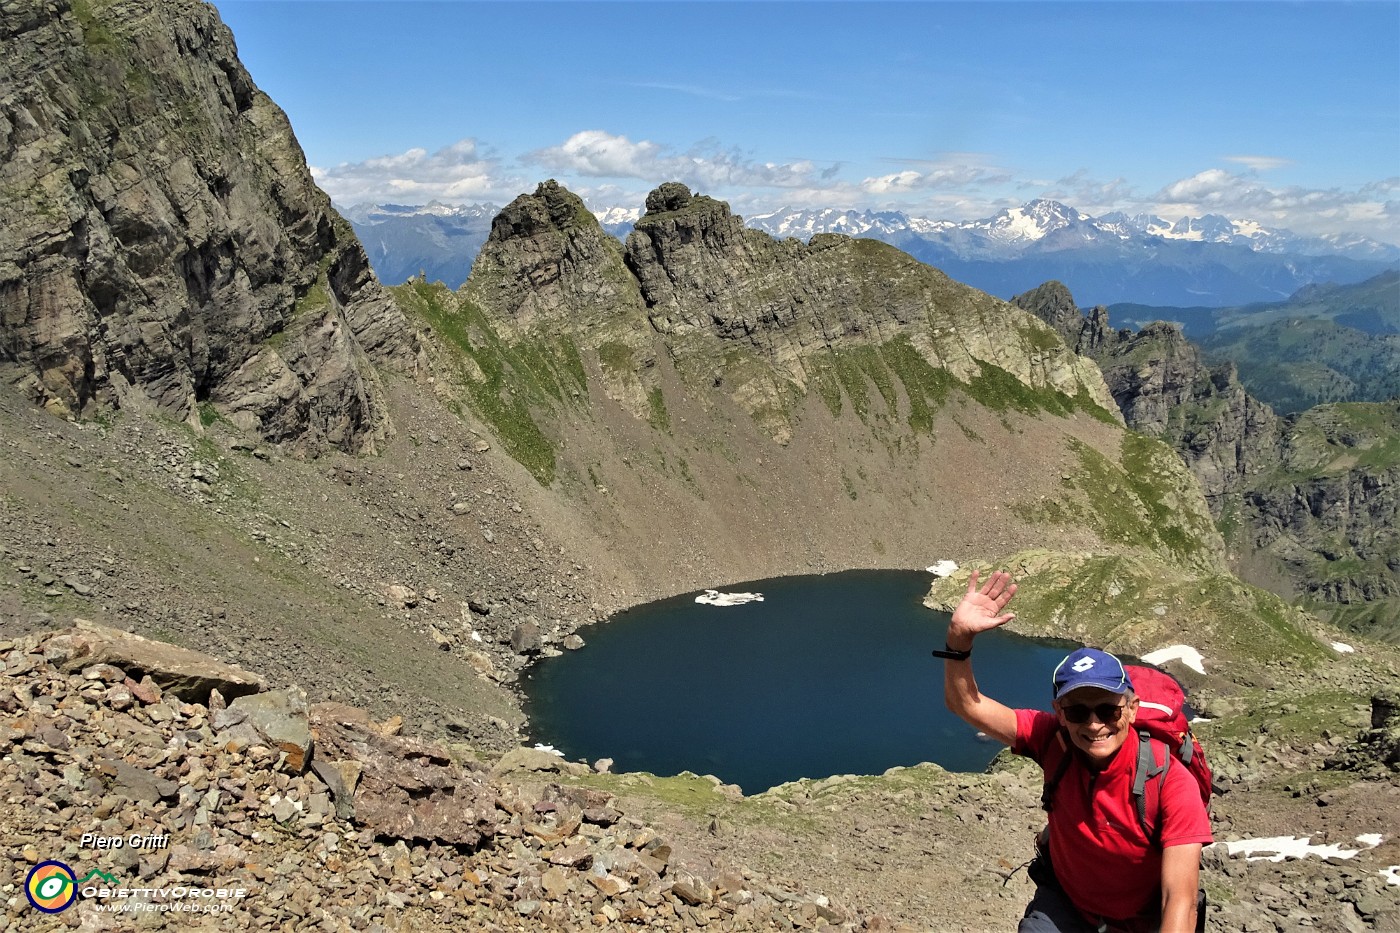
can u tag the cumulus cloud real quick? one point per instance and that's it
(1304, 210)
(600, 154)
(461, 172)
(944, 176)
(613, 170)
(1088, 194)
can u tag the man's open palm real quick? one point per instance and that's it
(982, 607)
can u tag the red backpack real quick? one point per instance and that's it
(1161, 717)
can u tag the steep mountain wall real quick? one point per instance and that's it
(1308, 505)
(162, 243)
(1328, 513)
(722, 406)
(703, 272)
(1165, 390)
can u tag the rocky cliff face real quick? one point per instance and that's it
(1329, 510)
(163, 244)
(1309, 505)
(1164, 389)
(703, 273)
(548, 266)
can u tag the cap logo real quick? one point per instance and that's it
(1082, 665)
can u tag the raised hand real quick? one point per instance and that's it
(981, 608)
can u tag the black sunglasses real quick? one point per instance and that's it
(1108, 713)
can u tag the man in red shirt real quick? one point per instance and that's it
(1108, 873)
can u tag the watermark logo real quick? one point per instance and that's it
(100, 876)
(51, 886)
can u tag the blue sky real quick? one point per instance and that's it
(1285, 113)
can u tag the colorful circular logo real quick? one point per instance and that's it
(51, 886)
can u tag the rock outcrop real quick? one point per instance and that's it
(702, 272)
(736, 309)
(1166, 390)
(1329, 512)
(1310, 504)
(549, 267)
(163, 244)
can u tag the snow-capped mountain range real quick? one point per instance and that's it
(1140, 258)
(1037, 220)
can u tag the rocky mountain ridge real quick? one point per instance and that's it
(1309, 504)
(164, 246)
(719, 295)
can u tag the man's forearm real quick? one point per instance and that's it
(1179, 913)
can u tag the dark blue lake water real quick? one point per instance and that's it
(827, 675)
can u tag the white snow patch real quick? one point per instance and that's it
(475, 636)
(1342, 648)
(1370, 840)
(944, 568)
(541, 747)
(716, 598)
(1282, 847)
(1391, 874)
(1018, 226)
(1183, 653)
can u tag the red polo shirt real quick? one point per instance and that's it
(1102, 859)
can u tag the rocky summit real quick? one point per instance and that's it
(276, 544)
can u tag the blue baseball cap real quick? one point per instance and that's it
(1090, 667)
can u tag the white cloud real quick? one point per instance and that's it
(600, 154)
(461, 172)
(612, 170)
(1303, 210)
(1259, 163)
(968, 172)
(1088, 194)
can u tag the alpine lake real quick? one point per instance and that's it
(825, 675)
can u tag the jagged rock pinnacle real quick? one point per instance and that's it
(671, 196)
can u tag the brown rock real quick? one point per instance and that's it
(147, 692)
(555, 883)
(189, 675)
(280, 716)
(408, 789)
(692, 891)
(609, 885)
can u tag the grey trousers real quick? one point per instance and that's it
(1051, 912)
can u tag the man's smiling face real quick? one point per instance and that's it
(1097, 739)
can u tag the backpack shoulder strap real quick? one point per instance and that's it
(1047, 793)
(1147, 769)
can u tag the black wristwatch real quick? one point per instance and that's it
(952, 655)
